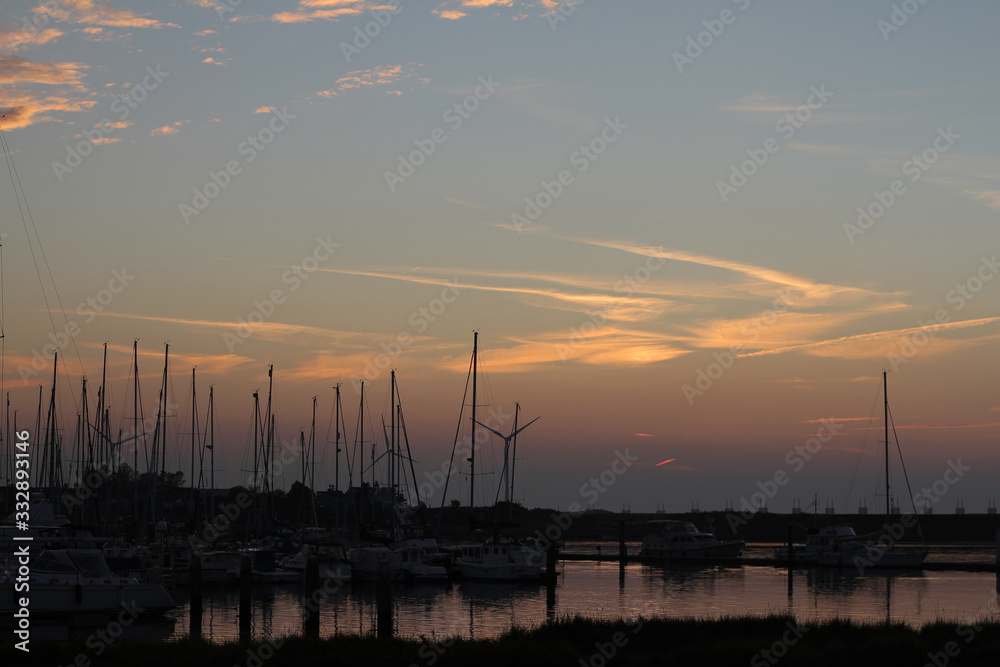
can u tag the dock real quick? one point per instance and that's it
(758, 561)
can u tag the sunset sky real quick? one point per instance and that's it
(683, 230)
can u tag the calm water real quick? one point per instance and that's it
(604, 590)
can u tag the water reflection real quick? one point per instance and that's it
(607, 590)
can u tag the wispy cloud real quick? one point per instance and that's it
(614, 306)
(760, 280)
(15, 71)
(321, 10)
(876, 343)
(16, 39)
(101, 13)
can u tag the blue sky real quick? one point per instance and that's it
(649, 211)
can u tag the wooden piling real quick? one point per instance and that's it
(310, 618)
(622, 551)
(196, 601)
(383, 600)
(791, 546)
(246, 601)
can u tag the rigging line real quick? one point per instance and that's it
(864, 448)
(454, 445)
(19, 197)
(905, 476)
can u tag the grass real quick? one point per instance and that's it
(575, 641)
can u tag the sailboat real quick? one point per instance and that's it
(838, 545)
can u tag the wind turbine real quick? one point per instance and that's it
(506, 448)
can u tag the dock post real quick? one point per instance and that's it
(383, 600)
(622, 552)
(551, 558)
(196, 602)
(246, 602)
(310, 616)
(791, 549)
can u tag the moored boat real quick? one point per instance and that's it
(681, 539)
(67, 582)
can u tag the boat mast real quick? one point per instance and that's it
(135, 431)
(392, 432)
(336, 411)
(472, 456)
(211, 437)
(888, 500)
(194, 426)
(312, 467)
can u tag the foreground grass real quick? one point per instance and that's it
(754, 641)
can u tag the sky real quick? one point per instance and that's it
(690, 236)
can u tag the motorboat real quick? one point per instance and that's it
(681, 539)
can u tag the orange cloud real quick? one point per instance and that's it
(12, 40)
(23, 108)
(98, 13)
(377, 76)
(320, 10)
(16, 70)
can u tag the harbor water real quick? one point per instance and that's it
(596, 589)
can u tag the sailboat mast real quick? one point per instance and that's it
(163, 438)
(211, 431)
(103, 441)
(194, 413)
(885, 395)
(472, 456)
(392, 432)
(336, 411)
(135, 427)
(312, 467)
